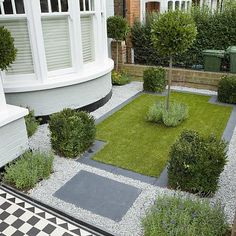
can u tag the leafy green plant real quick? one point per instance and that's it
(120, 78)
(72, 132)
(28, 170)
(172, 33)
(176, 216)
(227, 89)
(215, 31)
(177, 113)
(117, 29)
(154, 79)
(32, 123)
(196, 163)
(7, 49)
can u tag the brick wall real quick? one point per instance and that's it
(121, 52)
(133, 10)
(118, 7)
(183, 77)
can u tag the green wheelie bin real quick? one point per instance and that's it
(212, 59)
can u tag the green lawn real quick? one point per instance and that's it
(143, 147)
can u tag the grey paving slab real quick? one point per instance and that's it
(99, 195)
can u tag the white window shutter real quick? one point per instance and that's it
(57, 42)
(87, 38)
(24, 62)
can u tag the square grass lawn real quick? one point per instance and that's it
(143, 147)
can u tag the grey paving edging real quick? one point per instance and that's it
(109, 113)
(162, 181)
(229, 129)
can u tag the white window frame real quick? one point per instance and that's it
(50, 15)
(8, 17)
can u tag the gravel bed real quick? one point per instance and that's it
(65, 169)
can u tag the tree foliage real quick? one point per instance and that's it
(7, 49)
(117, 27)
(173, 32)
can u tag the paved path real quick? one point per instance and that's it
(19, 217)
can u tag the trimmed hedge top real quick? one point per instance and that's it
(72, 132)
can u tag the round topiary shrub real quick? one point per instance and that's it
(227, 89)
(196, 163)
(7, 49)
(72, 132)
(177, 113)
(154, 80)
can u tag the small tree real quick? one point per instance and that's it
(7, 49)
(117, 28)
(173, 33)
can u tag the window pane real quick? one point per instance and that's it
(81, 5)
(64, 5)
(57, 43)
(54, 5)
(183, 6)
(177, 5)
(24, 62)
(188, 5)
(170, 5)
(87, 5)
(8, 7)
(92, 5)
(87, 38)
(20, 7)
(44, 5)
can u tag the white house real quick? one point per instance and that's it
(62, 58)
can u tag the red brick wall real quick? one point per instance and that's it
(133, 10)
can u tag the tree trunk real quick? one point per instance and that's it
(117, 55)
(169, 83)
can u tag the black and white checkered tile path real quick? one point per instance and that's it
(19, 217)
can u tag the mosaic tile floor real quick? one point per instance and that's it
(19, 217)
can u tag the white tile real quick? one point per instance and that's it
(41, 224)
(25, 228)
(9, 231)
(10, 219)
(26, 216)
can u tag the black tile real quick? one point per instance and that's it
(18, 213)
(18, 233)
(67, 234)
(33, 220)
(4, 215)
(18, 223)
(5, 205)
(49, 229)
(3, 226)
(33, 232)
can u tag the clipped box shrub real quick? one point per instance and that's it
(196, 163)
(72, 132)
(227, 89)
(176, 216)
(178, 112)
(119, 78)
(28, 170)
(154, 80)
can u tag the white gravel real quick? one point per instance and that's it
(130, 224)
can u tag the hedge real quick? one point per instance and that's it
(215, 31)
